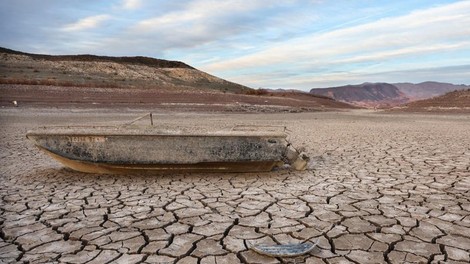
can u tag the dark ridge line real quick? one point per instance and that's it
(148, 61)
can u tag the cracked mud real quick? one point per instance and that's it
(379, 189)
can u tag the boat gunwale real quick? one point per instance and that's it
(120, 131)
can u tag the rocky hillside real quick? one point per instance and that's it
(456, 101)
(426, 90)
(366, 94)
(385, 94)
(106, 72)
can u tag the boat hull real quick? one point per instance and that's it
(110, 151)
(108, 168)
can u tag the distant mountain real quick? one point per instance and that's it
(426, 90)
(455, 101)
(366, 94)
(385, 94)
(104, 71)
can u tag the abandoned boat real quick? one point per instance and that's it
(123, 149)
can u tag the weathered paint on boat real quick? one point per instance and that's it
(90, 167)
(121, 150)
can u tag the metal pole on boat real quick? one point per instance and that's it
(137, 119)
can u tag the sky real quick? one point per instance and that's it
(289, 44)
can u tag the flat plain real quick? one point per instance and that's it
(379, 188)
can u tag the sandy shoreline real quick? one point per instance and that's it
(380, 188)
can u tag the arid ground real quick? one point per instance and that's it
(380, 188)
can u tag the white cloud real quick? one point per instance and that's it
(202, 26)
(86, 23)
(131, 4)
(435, 30)
(201, 21)
(200, 12)
(404, 51)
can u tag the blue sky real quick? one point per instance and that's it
(259, 43)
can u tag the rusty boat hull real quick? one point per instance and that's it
(103, 149)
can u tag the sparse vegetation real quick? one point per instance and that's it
(257, 92)
(54, 82)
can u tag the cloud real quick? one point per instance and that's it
(200, 12)
(441, 29)
(200, 22)
(86, 23)
(131, 4)
(285, 43)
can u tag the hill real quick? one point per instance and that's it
(426, 90)
(366, 94)
(455, 101)
(135, 82)
(102, 71)
(385, 94)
